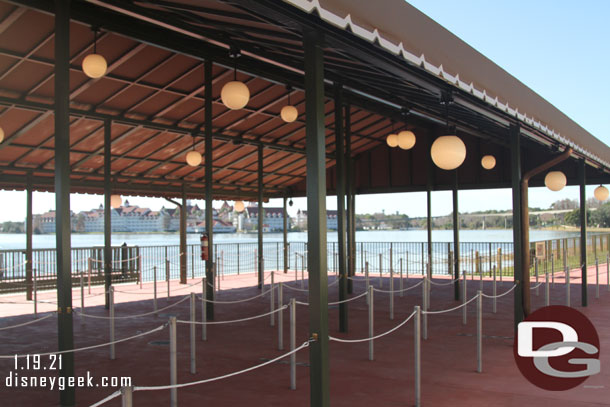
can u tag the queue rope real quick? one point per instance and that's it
(332, 338)
(137, 315)
(27, 323)
(232, 321)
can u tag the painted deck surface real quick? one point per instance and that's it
(448, 356)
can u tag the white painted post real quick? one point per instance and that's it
(192, 334)
(495, 300)
(111, 300)
(500, 262)
(371, 314)
(547, 298)
(479, 331)
(173, 362)
(293, 357)
(417, 354)
(204, 308)
(280, 317)
(126, 396)
(272, 301)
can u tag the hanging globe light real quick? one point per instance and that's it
(406, 139)
(555, 180)
(94, 65)
(601, 193)
(392, 140)
(239, 206)
(235, 95)
(289, 113)
(116, 201)
(448, 152)
(488, 162)
(193, 158)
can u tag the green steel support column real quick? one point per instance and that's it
(456, 240)
(515, 159)
(65, 332)
(316, 219)
(209, 193)
(107, 211)
(183, 256)
(285, 214)
(28, 240)
(351, 245)
(341, 220)
(583, 232)
(261, 218)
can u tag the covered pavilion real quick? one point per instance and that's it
(354, 71)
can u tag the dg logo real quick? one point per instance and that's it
(557, 348)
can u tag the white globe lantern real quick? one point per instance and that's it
(94, 66)
(239, 206)
(1, 134)
(488, 162)
(406, 139)
(116, 201)
(193, 158)
(601, 193)
(555, 180)
(448, 152)
(392, 140)
(289, 113)
(235, 95)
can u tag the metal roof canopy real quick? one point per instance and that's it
(153, 94)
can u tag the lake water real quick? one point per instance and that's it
(17, 241)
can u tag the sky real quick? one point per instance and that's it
(559, 48)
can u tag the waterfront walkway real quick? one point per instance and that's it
(448, 355)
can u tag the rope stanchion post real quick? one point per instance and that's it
(391, 292)
(192, 334)
(155, 288)
(366, 276)
(371, 328)
(536, 274)
(596, 278)
(424, 294)
(401, 285)
(280, 317)
(417, 354)
(204, 314)
(293, 336)
(479, 270)
(495, 299)
(479, 331)
(111, 300)
(547, 299)
(167, 277)
(272, 301)
(127, 396)
(173, 362)
(464, 294)
(567, 273)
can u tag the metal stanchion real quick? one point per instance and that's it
(173, 363)
(126, 396)
(547, 296)
(272, 301)
(495, 300)
(425, 307)
(155, 288)
(111, 300)
(366, 275)
(204, 314)
(479, 331)
(464, 294)
(280, 317)
(192, 332)
(596, 278)
(401, 281)
(417, 354)
(567, 286)
(293, 335)
(371, 313)
(391, 293)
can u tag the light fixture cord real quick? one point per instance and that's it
(193, 143)
(95, 41)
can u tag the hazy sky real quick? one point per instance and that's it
(559, 48)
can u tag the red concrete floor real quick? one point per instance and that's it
(448, 356)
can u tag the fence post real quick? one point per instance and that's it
(417, 354)
(111, 300)
(425, 307)
(495, 300)
(371, 313)
(479, 331)
(464, 294)
(272, 301)
(192, 333)
(280, 317)
(293, 357)
(173, 362)
(127, 396)
(204, 306)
